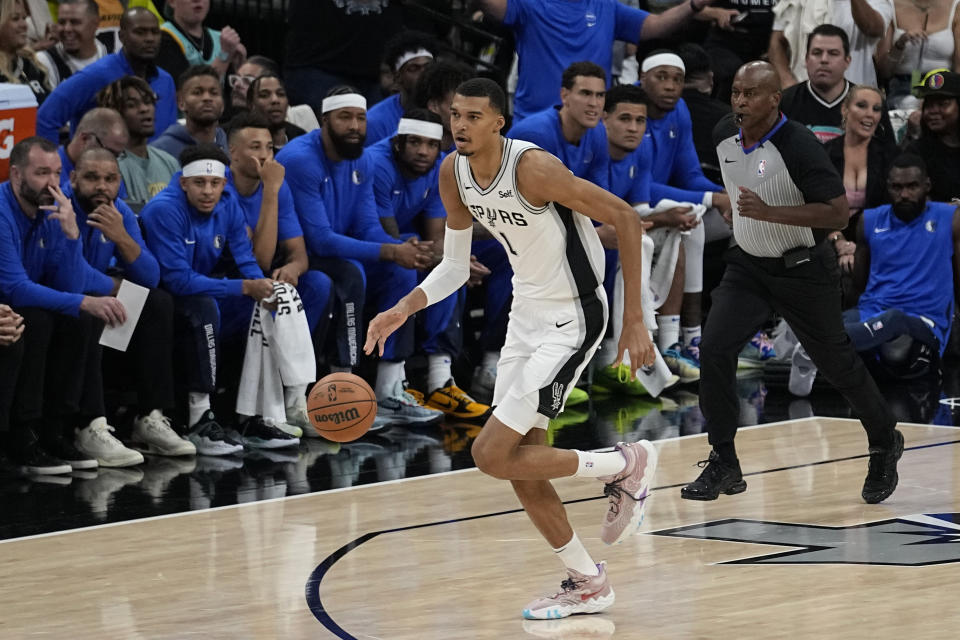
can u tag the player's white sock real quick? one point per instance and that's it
(690, 333)
(594, 464)
(574, 556)
(669, 331)
(388, 375)
(199, 404)
(490, 359)
(293, 393)
(608, 352)
(439, 371)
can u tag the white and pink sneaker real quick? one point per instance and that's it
(628, 491)
(578, 594)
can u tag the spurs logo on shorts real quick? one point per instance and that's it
(557, 395)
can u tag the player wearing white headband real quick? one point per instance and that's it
(405, 184)
(188, 226)
(331, 179)
(677, 176)
(406, 55)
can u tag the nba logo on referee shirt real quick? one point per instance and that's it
(762, 168)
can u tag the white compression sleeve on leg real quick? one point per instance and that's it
(453, 270)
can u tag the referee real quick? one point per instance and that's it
(788, 198)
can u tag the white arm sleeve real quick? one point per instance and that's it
(454, 270)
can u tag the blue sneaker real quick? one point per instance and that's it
(757, 352)
(686, 368)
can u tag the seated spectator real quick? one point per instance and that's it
(18, 63)
(200, 98)
(705, 111)
(406, 188)
(111, 14)
(146, 170)
(435, 89)
(267, 97)
(239, 82)
(43, 276)
(78, 47)
(918, 38)
(939, 142)
(739, 33)
(406, 55)
(185, 42)
(551, 36)
(140, 34)
(862, 21)
(98, 129)
(817, 102)
(332, 184)
(189, 226)
(114, 247)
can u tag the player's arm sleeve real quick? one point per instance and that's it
(19, 290)
(599, 172)
(165, 238)
(288, 225)
(145, 270)
(454, 270)
(367, 223)
(629, 22)
(383, 191)
(60, 105)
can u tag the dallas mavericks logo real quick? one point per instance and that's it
(356, 176)
(931, 225)
(762, 169)
(218, 241)
(591, 19)
(633, 171)
(363, 7)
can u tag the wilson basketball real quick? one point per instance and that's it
(341, 407)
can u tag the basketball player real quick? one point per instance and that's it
(529, 201)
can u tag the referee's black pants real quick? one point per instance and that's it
(809, 298)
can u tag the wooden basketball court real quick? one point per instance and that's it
(451, 556)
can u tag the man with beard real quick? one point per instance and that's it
(42, 277)
(789, 198)
(256, 180)
(98, 129)
(145, 169)
(189, 226)
(406, 169)
(114, 247)
(332, 184)
(78, 46)
(200, 98)
(140, 35)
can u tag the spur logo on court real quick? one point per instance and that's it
(911, 541)
(347, 415)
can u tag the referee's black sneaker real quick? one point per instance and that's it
(882, 473)
(717, 477)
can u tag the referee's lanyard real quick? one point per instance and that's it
(782, 121)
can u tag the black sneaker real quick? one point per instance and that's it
(32, 460)
(64, 450)
(260, 435)
(882, 473)
(717, 477)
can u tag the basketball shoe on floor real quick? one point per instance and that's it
(756, 352)
(62, 449)
(208, 437)
(33, 460)
(97, 441)
(484, 380)
(578, 594)
(686, 368)
(882, 473)
(152, 433)
(628, 491)
(401, 407)
(453, 401)
(257, 434)
(297, 418)
(717, 477)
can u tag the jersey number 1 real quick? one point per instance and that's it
(509, 246)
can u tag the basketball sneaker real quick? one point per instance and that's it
(33, 460)
(756, 352)
(717, 477)
(62, 449)
(297, 418)
(258, 434)
(578, 594)
(97, 441)
(882, 473)
(628, 491)
(686, 368)
(401, 407)
(484, 381)
(152, 433)
(209, 438)
(453, 401)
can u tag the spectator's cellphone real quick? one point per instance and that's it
(740, 17)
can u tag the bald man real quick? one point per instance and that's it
(98, 129)
(140, 35)
(787, 199)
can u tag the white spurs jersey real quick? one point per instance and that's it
(555, 252)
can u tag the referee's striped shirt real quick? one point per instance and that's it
(788, 167)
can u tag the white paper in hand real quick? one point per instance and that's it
(653, 378)
(132, 297)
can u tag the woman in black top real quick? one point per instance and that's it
(18, 64)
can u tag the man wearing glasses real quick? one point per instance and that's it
(99, 128)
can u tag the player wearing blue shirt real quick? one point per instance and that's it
(332, 184)
(407, 190)
(140, 35)
(114, 247)
(552, 34)
(188, 226)
(406, 55)
(43, 276)
(256, 181)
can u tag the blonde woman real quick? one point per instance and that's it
(18, 63)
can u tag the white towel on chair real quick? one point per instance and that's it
(668, 249)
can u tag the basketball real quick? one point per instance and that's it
(341, 407)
